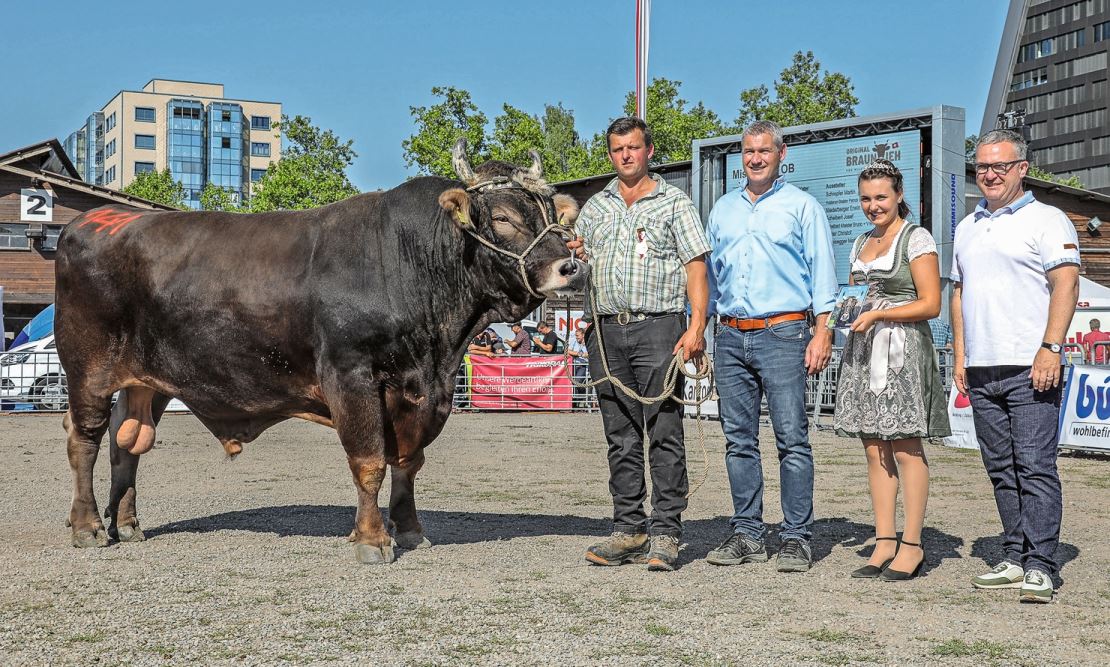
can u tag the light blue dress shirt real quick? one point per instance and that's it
(773, 256)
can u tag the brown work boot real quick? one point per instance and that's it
(663, 554)
(618, 549)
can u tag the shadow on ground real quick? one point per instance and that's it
(443, 527)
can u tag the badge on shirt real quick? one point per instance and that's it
(641, 243)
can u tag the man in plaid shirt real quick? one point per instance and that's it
(647, 249)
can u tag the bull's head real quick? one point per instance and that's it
(514, 210)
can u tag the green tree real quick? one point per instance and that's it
(803, 95)
(514, 134)
(312, 170)
(157, 186)
(970, 143)
(673, 126)
(1071, 181)
(439, 126)
(216, 198)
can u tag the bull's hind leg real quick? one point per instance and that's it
(87, 421)
(136, 431)
(121, 500)
(407, 531)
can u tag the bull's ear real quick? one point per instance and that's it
(457, 203)
(566, 209)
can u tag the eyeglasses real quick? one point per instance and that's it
(1000, 168)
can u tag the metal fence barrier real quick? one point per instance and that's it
(36, 381)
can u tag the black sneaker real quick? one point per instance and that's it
(737, 549)
(795, 555)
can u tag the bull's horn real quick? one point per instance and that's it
(536, 170)
(461, 164)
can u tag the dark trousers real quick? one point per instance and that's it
(638, 355)
(1017, 432)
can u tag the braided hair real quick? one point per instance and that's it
(884, 168)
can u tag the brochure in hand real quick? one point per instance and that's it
(850, 302)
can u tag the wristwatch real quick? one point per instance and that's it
(1052, 347)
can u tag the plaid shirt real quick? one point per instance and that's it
(638, 254)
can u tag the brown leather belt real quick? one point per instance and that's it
(760, 323)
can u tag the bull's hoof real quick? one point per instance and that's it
(412, 541)
(129, 534)
(372, 555)
(86, 539)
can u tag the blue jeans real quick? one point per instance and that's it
(747, 364)
(1017, 431)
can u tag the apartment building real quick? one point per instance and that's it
(1050, 83)
(192, 128)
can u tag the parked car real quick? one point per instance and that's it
(32, 373)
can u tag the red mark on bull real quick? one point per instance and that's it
(109, 220)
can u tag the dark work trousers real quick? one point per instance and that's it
(1017, 432)
(638, 354)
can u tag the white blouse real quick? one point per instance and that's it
(921, 243)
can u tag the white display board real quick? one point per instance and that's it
(1085, 409)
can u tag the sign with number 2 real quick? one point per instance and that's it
(36, 205)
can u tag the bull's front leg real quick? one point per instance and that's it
(407, 531)
(357, 415)
(372, 542)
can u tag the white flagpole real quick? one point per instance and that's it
(643, 26)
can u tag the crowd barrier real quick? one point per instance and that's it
(36, 381)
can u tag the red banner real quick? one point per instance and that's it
(520, 383)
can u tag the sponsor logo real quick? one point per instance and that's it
(861, 156)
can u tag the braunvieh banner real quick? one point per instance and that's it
(1085, 413)
(520, 383)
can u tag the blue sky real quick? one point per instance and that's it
(357, 67)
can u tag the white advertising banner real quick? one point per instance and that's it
(963, 426)
(1085, 409)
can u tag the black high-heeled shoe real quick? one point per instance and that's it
(873, 571)
(897, 575)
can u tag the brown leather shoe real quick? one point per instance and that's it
(618, 549)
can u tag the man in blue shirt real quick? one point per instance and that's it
(771, 264)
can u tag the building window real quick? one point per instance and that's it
(1093, 178)
(225, 116)
(1037, 130)
(1029, 79)
(225, 142)
(109, 174)
(110, 122)
(1054, 154)
(260, 122)
(1100, 146)
(145, 114)
(1102, 31)
(257, 174)
(110, 148)
(186, 112)
(1092, 63)
(144, 141)
(1038, 49)
(13, 235)
(1079, 122)
(260, 148)
(144, 168)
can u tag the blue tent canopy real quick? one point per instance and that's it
(40, 327)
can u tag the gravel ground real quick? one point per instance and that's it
(246, 562)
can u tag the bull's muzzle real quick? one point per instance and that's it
(566, 276)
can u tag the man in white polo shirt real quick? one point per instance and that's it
(1015, 269)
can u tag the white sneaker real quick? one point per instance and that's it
(1037, 587)
(1004, 575)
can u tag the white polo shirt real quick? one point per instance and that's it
(1001, 259)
